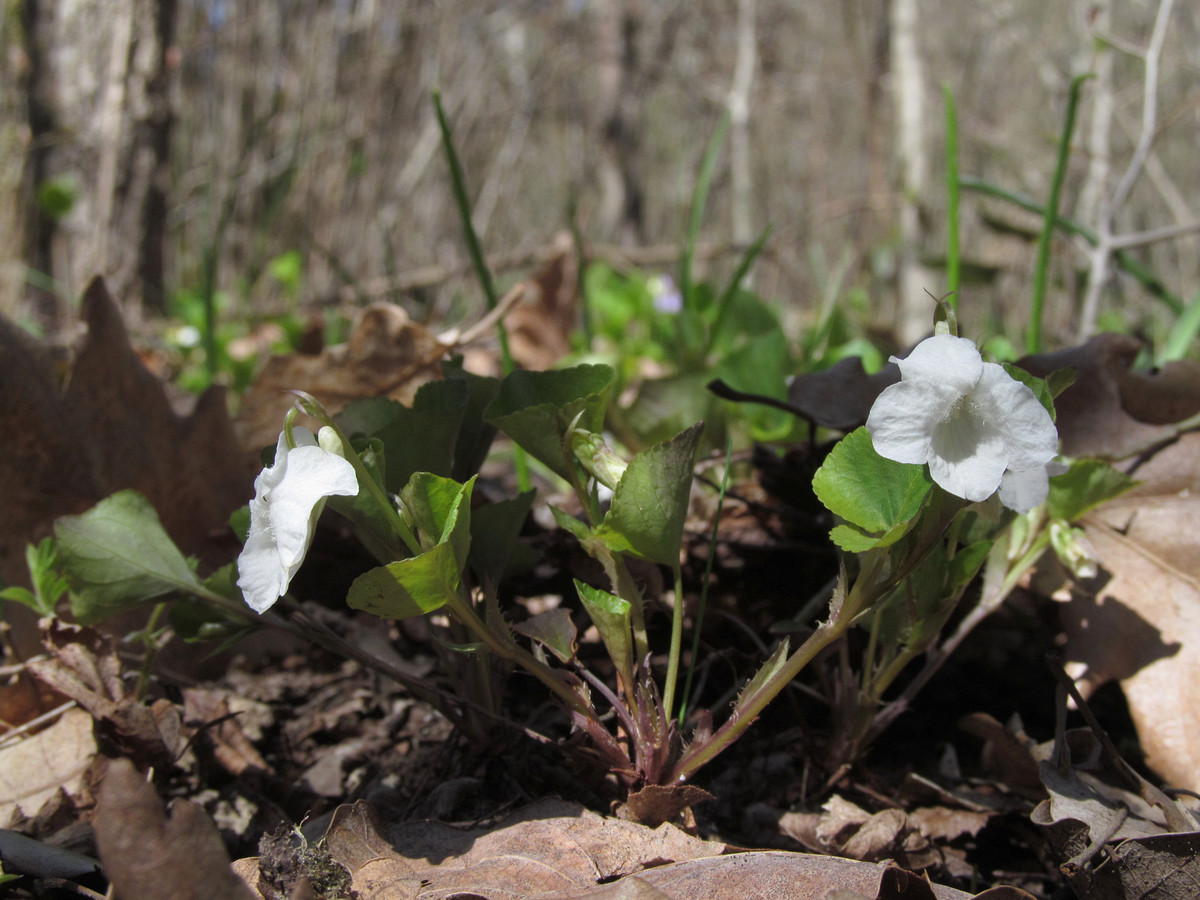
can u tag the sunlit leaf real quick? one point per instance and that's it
(409, 587)
(116, 556)
(873, 494)
(650, 503)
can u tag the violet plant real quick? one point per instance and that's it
(953, 476)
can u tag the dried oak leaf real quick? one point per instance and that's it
(555, 850)
(539, 328)
(33, 770)
(77, 433)
(1139, 622)
(387, 355)
(83, 665)
(549, 846)
(1110, 410)
(148, 854)
(1083, 816)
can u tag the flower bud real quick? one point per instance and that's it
(597, 457)
(1073, 549)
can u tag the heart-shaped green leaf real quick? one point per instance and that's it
(535, 409)
(439, 510)
(610, 614)
(650, 504)
(495, 528)
(117, 556)
(875, 495)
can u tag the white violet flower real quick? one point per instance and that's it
(977, 427)
(288, 499)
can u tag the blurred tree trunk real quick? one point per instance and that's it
(739, 123)
(621, 203)
(914, 309)
(99, 111)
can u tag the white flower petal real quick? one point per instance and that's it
(1022, 491)
(969, 420)
(973, 477)
(312, 474)
(902, 420)
(943, 359)
(288, 497)
(260, 577)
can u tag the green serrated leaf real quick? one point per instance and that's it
(495, 528)
(610, 614)
(853, 540)
(873, 494)
(571, 525)
(25, 597)
(536, 409)
(409, 587)
(766, 672)
(966, 563)
(420, 438)
(117, 556)
(1087, 484)
(650, 503)
(554, 630)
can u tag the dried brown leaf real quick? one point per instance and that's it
(841, 396)
(148, 854)
(1139, 622)
(743, 876)
(1109, 410)
(32, 770)
(77, 433)
(387, 355)
(83, 665)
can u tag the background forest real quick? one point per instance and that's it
(181, 146)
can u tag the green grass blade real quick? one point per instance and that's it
(1125, 262)
(953, 267)
(1033, 340)
(1183, 333)
(708, 566)
(482, 272)
(748, 257)
(699, 200)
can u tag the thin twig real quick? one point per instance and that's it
(1177, 819)
(1106, 238)
(9, 736)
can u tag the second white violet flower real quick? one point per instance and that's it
(977, 427)
(288, 498)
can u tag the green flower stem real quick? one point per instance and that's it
(676, 642)
(509, 650)
(1000, 577)
(864, 593)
